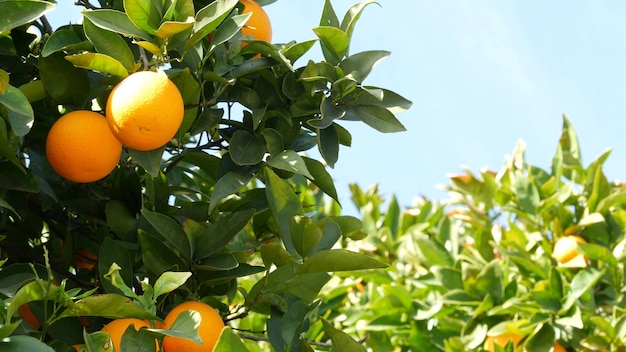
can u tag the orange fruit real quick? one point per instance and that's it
(566, 251)
(210, 328)
(27, 315)
(145, 110)
(117, 327)
(80, 348)
(84, 259)
(81, 147)
(558, 348)
(258, 26)
(501, 340)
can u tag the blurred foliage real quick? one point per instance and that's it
(480, 263)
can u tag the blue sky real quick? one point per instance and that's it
(482, 75)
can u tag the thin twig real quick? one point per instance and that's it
(144, 58)
(85, 4)
(46, 25)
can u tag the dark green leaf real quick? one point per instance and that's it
(284, 203)
(114, 252)
(65, 83)
(581, 283)
(110, 305)
(328, 144)
(334, 43)
(290, 161)
(150, 160)
(361, 64)
(379, 118)
(321, 177)
(218, 234)
(18, 12)
(228, 184)
(246, 148)
(305, 234)
(208, 19)
(21, 343)
(158, 257)
(60, 40)
(170, 230)
(20, 111)
(341, 341)
(109, 43)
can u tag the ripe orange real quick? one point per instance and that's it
(84, 260)
(211, 326)
(566, 251)
(258, 26)
(558, 347)
(81, 147)
(145, 110)
(501, 340)
(117, 327)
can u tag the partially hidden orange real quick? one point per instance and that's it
(81, 147)
(210, 328)
(117, 327)
(258, 26)
(566, 252)
(145, 110)
(501, 340)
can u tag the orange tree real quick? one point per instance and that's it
(486, 269)
(232, 195)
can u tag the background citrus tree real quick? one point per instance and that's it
(231, 196)
(484, 268)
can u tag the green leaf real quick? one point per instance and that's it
(490, 281)
(144, 14)
(66, 83)
(329, 16)
(18, 12)
(220, 233)
(341, 341)
(296, 50)
(112, 252)
(170, 28)
(96, 341)
(305, 234)
(63, 39)
(208, 19)
(37, 290)
(21, 343)
(329, 111)
(328, 144)
(8, 329)
(228, 184)
(116, 21)
(229, 341)
(119, 219)
(433, 252)
(541, 340)
(109, 43)
(331, 260)
(4, 81)
(137, 340)
(572, 159)
(246, 148)
(185, 326)
(581, 283)
(352, 16)
(284, 203)
(150, 160)
(527, 194)
(114, 279)
(218, 262)
(360, 65)
(170, 230)
(158, 257)
(20, 111)
(378, 117)
(98, 62)
(169, 281)
(109, 305)
(289, 160)
(321, 177)
(334, 42)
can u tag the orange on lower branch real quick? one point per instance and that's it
(117, 327)
(210, 328)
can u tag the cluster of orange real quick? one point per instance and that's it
(144, 111)
(209, 328)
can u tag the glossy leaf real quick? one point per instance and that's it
(246, 148)
(284, 204)
(66, 83)
(352, 16)
(289, 160)
(208, 19)
(170, 230)
(110, 44)
(116, 21)
(20, 343)
(98, 62)
(360, 65)
(21, 114)
(218, 234)
(334, 42)
(341, 340)
(229, 341)
(228, 184)
(110, 305)
(19, 12)
(145, 15)
(59, 40)
(320, 177)
(150, 160)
